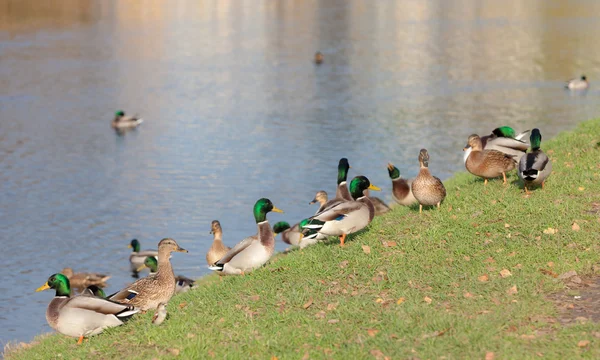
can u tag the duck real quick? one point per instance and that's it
(81, 280)
(319, 58)
(341, 193)
(122, 121)
(505, 140)
(346, 217)
(427, 189)
(321, 198)
(487, 164)
(182, 283)
(217, 250)
(81, 315)
(160, 315)
(93, 290)
(293, 235)
(148, 292)
(254, 251)
(535, 167)
(401, 188)
(380, 206)
(137, 257)
(580, 83)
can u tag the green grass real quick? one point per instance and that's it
(438, 256)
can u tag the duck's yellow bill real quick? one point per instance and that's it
(277, 210)
(140, 268)
(373, 187)
(43, 287)
(301, 237)
(129, 246)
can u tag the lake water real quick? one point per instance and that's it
(236, 110)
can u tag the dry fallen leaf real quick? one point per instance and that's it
(512, 290)
(575, 227)
(331, 307)
(182, 305)
(174, 352)
(344, 263)
(372, 332)
(333, 321)
(506, 225)
(468, 295)
(550, 231)
(255, 297)
(505, 273)
(467, 258)
(550, 264)
(400, 301)
(489, 355)
(583, 343)
(274, 357)
(366, 249)
(581, 188)
(427, 299)
(549, 272)
(568, 274)
(483, 278)
(378, 354)
(379, 300)
(308, 303)
(489, 260)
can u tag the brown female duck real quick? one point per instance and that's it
(427, 189)
(217, 249)
(487, 164)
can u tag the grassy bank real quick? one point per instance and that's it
(469, 280)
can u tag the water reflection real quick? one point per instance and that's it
(235, 109)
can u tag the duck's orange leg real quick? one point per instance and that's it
(543, 185)
(80, 340)
(504, 178)
(484, 182)
(438, 206)
(342, 239)
(527, 190)
(420, 208)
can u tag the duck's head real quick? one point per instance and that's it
(319, 57)
(135, 245)
(343, 167)
(280, 227)
(535, 139)
(58, 282)
(474, 142)
(393, 171)
(424, 158)
(320, 197)
(119, 113)
(359, 184)
(504, 131)
(262, 207)
(97, 291)
(215, 227)
(150, 263)
(170, 245)
(68, 272)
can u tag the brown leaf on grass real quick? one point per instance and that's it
(333, 321)
(527, 336)
(467, 258)
(190, 335)
(489, 355)
(550, 231)
(372, 332)
(255, 297)
(483, 278)
(331, 307)
(489, 260)
(512, 254)
(379, 300)
(274, 357)
(512, 290)
(174, 351)
(567, 275)
(575, 227)
(549, 272)
(400, 301)
(344, 263)
(505, 273)
(320, 315)
(427, 299)
(182, 305)
(306, 356)
(583, 343)
(550, 264)
(378, 354)
(308, 303)
(468, 295)
(507, 225)
(434, 334)
(389, 243)
(581, 188)
(366, 249)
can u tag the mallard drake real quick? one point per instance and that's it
(427, 189)
(81, 316)
(93, 290)
(380, 206)
(182, 283)
(81, 280)
(148, 292)
(535, 167)
(319, 58)
(254, 251)
(160, 315)
(487, 164)
(137, 257)
(580, 83)
(346, 217)
(505, 140)
(217, 250)
(401, 188)
(293, 235)
(341, 192)
(122, 121)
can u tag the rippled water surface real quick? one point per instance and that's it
(235, 110)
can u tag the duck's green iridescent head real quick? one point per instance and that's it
(583, 78)
(360, 184)
(135, 245)
(96, 291)
(504, 131)
(262, 207)
(120, 113)
(280, 227)
(393, 171)
(343, 167)
(58, 282)
(151, 263)
(535, 139)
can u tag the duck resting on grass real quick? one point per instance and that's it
(346, 217)
(427, 189)
(182, 283)
(82, 315)
(254, 251)
(294, 236)
(535, 167)
(137, 257)
(505, 140)
(401, 188)
(487, 164)
(148, 292)
(217, 249)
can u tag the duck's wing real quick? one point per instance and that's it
(101, 306)
(239, 247)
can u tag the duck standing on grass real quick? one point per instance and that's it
(148, 292)
(535, 167)
(346, 217)
(137, 257)
(580, 83)
(427, 189)
(82, 315)
(254, 251)
(217, 249)
(122, 121)
(505, 140)
(487, 164)
(182, 283)
(401, 188)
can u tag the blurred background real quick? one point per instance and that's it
(235, 109)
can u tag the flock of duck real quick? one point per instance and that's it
(351, 210)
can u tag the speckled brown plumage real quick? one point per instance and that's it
(487, 163)
(427, 189)
(217, 249)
